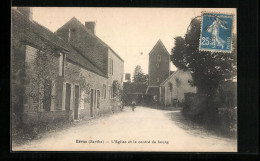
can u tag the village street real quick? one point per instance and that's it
(144, 128)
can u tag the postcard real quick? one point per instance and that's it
(123, 79)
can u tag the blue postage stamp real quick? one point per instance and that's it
(216, 32)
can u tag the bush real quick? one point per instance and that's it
(228, 119)
(207, 112)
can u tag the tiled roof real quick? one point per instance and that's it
(37, 35)
(93, 35)
(34, 33)
(77, 57)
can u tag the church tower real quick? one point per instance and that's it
(159, 64)
(159, 68)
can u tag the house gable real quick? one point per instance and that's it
(87, 43)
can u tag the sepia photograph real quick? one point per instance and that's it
(121, 79)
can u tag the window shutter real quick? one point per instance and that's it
(72, 97)
(63, 96)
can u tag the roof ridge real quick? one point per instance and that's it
(157, 43)
(95, 36)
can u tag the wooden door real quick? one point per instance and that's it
(68, 95)
(76, 107)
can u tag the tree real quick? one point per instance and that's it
(139, 76)
(207, 68)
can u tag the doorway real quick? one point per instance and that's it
(76, 107)
(93, 102)
(68, 95)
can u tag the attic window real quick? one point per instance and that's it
(158, 58)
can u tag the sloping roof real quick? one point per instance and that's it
(153, 91)
(171, 72)
(134, 88)
(79, 58)
(166, 80)
(159, 43)
(74, 19)
(36, 34)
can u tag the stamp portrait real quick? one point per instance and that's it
(216, 32)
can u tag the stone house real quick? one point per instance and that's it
(55, 79)
(175, 86)
(110, 65)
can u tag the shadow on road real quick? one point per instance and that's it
(195, 128)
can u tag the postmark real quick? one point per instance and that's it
(216, 32)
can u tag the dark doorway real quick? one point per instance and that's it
(76, 108)
(68, 95)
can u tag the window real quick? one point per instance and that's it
(98, 98)
(157, 65)
(111, 66)
(104, 91)
(61, 65)
(158, 58)
(110, 92)
(158, 79)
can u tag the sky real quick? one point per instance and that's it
(130, 32)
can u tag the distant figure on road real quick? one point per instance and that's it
(133, 104)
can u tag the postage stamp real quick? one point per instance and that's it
(216, 32)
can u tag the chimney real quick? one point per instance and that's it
(26, 11)
(91, 26)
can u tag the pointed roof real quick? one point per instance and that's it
(159, 43)
(75, 20)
